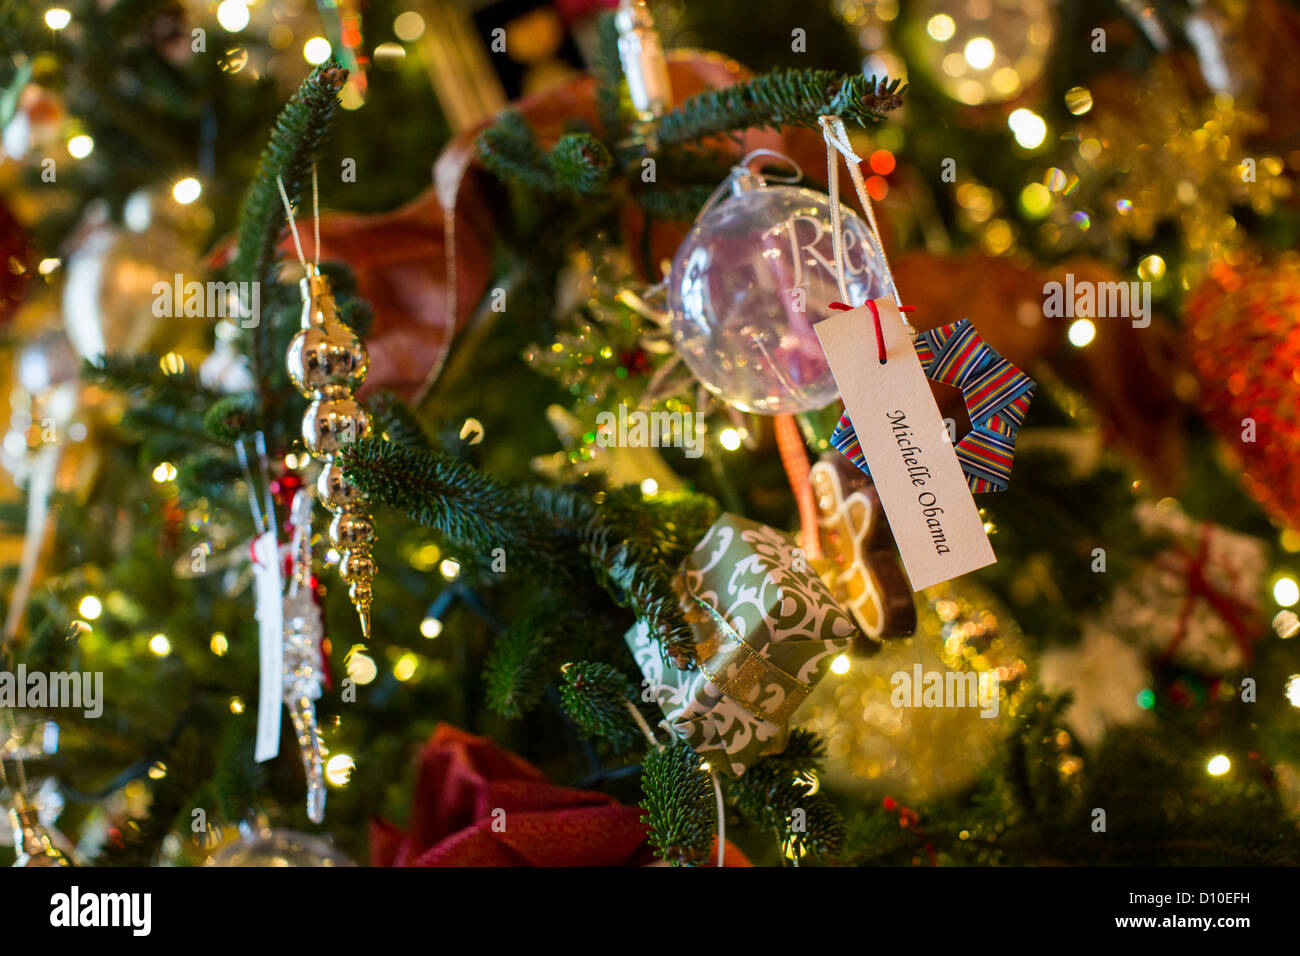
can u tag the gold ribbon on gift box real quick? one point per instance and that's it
(755, 672)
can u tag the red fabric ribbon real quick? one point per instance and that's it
(478, 805)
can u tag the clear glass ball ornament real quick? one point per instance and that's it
(278, 848)
(749, 282)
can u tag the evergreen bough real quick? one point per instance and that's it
(679, 805)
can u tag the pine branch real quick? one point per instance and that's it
(679, 805)
(510, 150)
(395, 421)
(230, 417)
(293, 148)
(773, 793)
(676, 205)
(525, 658)
(166, 432)
(142, 375)
(608, 71)
(579, 162)
(685, 179)
(474, 509)
(207, 475)
(596, 696)
(188, 761)
(637, 545)
(784, 97)
(1032, 755)
(633, 545)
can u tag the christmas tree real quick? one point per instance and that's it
(568, 477)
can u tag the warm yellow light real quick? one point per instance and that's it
(48, 265)
(236, 705)
(390, 55)
(90, 607)
(1036, 200)
(1082, 331)
(979, 53)
(408, 26)
(649, 486)
(840, 665)
(218, 644)
(165, 472)
(1285, 591)
(729, 439)
(1152, 268)
(471, 431)
(316, 50)
(173, 363)
(160, 645)
(431, 627)
(1027, 127)
(338, 769)
(56, 18)
(426, 557)
(404, 669)
(79, 147)
(158, 770)
(449, 568)
(232, 15)
(1286, 624)
(941, 27)
(1218, 765)
(187, 190)
(1293, 690)
(360, 667)
(1078, 100)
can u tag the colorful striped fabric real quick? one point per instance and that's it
(997, 397)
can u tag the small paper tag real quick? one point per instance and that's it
(908, 448)
(268, 591)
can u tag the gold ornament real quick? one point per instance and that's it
(130, 288)
(983, 51)
(918, 753)
(32, 843)
(1164, 155)
(328, 362)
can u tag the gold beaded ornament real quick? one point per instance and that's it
(328, 363)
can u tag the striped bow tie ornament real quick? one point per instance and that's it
(997, 396)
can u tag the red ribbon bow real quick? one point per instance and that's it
(478, 805)
(1236, 612)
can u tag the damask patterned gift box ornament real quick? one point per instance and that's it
(766, 632)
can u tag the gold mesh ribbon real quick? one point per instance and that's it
(754, 673)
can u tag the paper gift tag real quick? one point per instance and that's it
(908, 448)
(268, 592)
